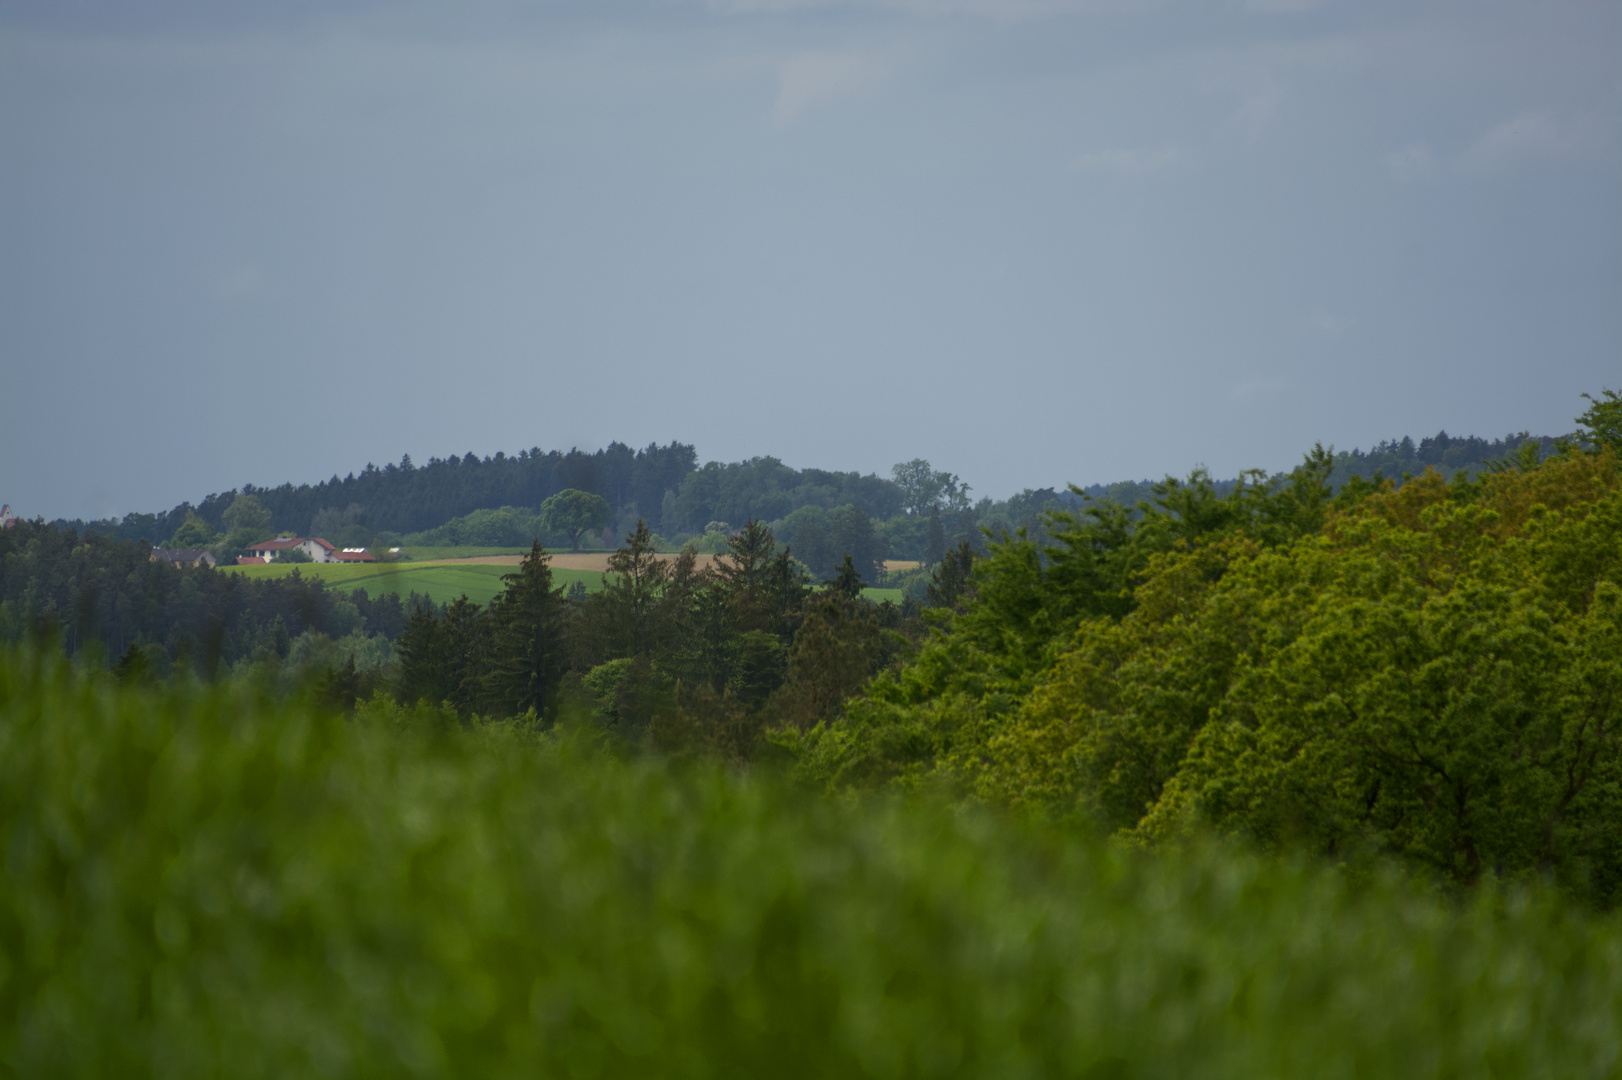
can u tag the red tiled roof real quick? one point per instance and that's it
(248, 560)
(354, 556)
(276, 545)
(289, 541)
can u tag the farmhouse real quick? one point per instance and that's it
(353, 555)
(316, 548)
(182, 556)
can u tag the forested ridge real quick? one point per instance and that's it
(666, 487)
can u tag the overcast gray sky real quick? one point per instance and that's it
(1033, 241)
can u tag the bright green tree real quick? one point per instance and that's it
(246, 512)
(1603, 419)
(194, 532)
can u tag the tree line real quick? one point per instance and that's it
(1431, 672)
(105, 597)
(670, 653)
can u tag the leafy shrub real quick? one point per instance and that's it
(509, 526)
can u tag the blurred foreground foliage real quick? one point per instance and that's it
(222, 880)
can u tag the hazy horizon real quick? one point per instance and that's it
(1032, 241)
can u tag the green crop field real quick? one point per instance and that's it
(205, 881)
(442, 584)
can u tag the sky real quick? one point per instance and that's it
(1032, 241)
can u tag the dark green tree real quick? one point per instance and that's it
(744, 573)
(934, 540)
(632, 593)
(846, 581)
(527, 652)
(850, 533)
(952, 583)
(423, 655)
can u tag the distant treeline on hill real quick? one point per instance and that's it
(1392, 459)
(409, 498)
(666, 486)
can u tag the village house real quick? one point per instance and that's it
(182, 556)
(316, 548)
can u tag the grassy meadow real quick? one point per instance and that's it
(442, 583)
(209, 881)
(480, 583)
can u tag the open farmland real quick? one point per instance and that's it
(478, 578)
(441, 582)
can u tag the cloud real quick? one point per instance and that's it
(1412, 162)
(818, 78)
(1259, 108)
(1321, 321)
(1127, 162)
(1537, 136)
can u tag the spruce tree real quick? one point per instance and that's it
(527, 653)
(632, 592)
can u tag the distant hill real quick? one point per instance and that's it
(667, 486)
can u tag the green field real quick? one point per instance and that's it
(205, 882)
(423, 554)
(442, 584)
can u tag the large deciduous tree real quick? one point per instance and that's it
(575, 513)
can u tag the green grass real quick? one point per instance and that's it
(420, 553)
(443, 584)
(206, 882)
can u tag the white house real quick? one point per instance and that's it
(316, 548)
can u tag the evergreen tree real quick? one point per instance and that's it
(952, 581)
(743, 573)
(527, 651)
(846, 582)
(632, 592)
